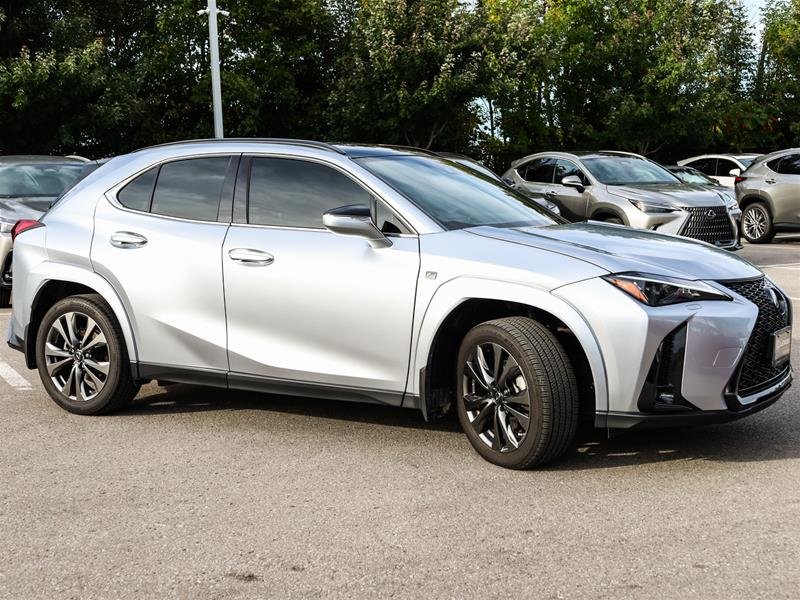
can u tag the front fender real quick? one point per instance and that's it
(453, 293)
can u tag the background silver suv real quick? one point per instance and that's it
(386, 275)
(623, 188)
(769, 195)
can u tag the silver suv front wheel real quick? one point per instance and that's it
(517, 394)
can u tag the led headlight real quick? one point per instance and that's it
(655, 290)
(647, 207)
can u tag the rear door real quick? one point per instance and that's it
(784, 189)
(724, 168)
(536, 178)
(158, 239)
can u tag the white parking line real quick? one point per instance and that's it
(14, 379)
(783, 266)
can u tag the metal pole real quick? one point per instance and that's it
(213, 47)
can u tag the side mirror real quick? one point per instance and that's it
(508, 181)
(355, 219)
(573, 181)
(735, 172)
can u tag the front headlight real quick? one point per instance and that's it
(655, 290)
(647, 207)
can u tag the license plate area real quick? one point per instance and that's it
(781, 346)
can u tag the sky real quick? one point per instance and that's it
(754, 10)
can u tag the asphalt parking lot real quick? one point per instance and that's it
(197, 493)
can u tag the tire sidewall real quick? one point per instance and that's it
(519, 457)
(116, 352)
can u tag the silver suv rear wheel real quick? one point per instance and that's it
(81, 356)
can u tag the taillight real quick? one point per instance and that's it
(24, 225)
(739, 179)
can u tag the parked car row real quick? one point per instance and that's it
(396, 276)
(628, 189)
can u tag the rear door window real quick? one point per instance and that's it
(705, 165)
(190, 189)
(539, 170)
(790, 165)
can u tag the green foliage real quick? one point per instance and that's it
(495, 78)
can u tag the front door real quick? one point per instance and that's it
(572, 202)
(308, 305)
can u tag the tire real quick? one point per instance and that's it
(70, 318)
(757, 226)
(5, 297)
(489, 410)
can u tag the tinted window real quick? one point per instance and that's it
(295, 193)
(690, 175)
(790, 165)
(539, 170)
(724, 167)
(622, 170)
(565, 168)
(136, 194)
(705, 165)
(190, 189)
(456, 197)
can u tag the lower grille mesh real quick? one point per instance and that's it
(757, 370)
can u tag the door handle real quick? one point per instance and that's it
(127, 239)
(770, 180)
(550, 194)
(250, 257)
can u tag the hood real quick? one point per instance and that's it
(14, 209)
(618, 249)
(670, 194)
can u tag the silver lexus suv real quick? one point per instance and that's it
(627, 189)
(769, 195)
(385, 275)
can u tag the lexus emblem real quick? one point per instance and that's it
(710, 214)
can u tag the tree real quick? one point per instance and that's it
(409, 74)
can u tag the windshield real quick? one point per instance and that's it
(625, 170)
(37, 180)
(692, 176)
(456, 196)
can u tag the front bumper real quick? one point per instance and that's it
(673, 365)
(688, 222)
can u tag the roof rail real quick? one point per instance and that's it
(620, 152)
(287, 141)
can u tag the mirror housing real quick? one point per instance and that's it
(735, 172)
(355, 219)
(573, 181)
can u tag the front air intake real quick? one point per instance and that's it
(661, 391)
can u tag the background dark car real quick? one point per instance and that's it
(28, 185)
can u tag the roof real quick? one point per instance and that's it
(32, 159)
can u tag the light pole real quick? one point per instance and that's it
(213, 46)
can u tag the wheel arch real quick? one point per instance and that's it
(603, 213)
(74, 282)
(752, 199)
(451, 314)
